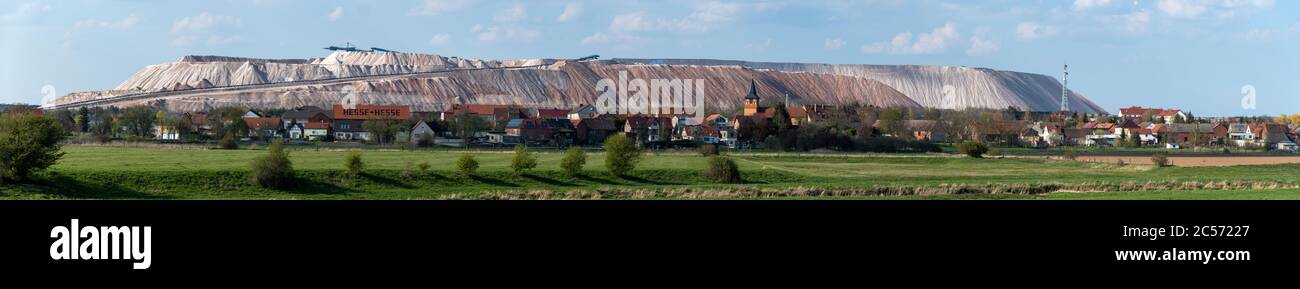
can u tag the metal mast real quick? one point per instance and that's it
(1065, 90)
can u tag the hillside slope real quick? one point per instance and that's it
(378, 78)
(972, 87)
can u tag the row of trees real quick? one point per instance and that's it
(867, 128)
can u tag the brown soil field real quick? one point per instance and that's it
(1198, 161)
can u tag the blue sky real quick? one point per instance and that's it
(1191, 54)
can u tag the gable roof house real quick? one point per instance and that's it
(1189, 133)
(593, 131)
(584, 111)
(350, 130)
(547, 113)
(265, 127)
(1273, 134)
(925, 130)
(1140, 113)
(420, 131)
(646, 129)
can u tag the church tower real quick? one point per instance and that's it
(751, 100)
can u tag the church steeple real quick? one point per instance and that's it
(751, 101)
(753, 91)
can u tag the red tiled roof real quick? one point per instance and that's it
(1137, 110)
(263, 122)
(316, 125)
(553, 113)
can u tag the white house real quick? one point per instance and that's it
(1241, 134)
(583, 112)
(420, 130)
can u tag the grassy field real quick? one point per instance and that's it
(169, 173)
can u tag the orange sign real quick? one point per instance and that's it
(375, 112)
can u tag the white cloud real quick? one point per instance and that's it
(336, 14)
(25, 11)
(507, 33)
(126, 23)
(202, 22)
(702, 18)
(980, 45)
(1181, 8)
(936, 41)
(436, 7)
(833, 44)
(1083, 5)
(440, 39)
(714, 11)
(516, 12)
(1027, 31)
(630, 22)
(1137, 22)
(1216, 8)
(571, 11)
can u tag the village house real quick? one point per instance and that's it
(1191, 134)
(493, 113)
(1140, 114)
(925, 130)
(350, 130)
(264, 127)
(648, 129)
(1240, 134)
(582, 112)
(1271, 135)
(547, 113)
(593, 131)
(422, 131)
(315, 131)
(295, 120)
(537, 131)
(349, 122)
(1050, 134)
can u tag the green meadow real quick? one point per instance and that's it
(177, 173)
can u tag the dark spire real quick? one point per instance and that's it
(753, 90)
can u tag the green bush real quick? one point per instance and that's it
(708, 150)
(621, 155)
(424, 167)
(273, 170)
(467, 164)
(723, 170)
(523, 160)
(228, 142)
(1160, 160)
(573, 160)
(354, 164)
(972, 149)
(424, 140)
(28, 144)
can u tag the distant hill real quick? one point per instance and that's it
(432, 82)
